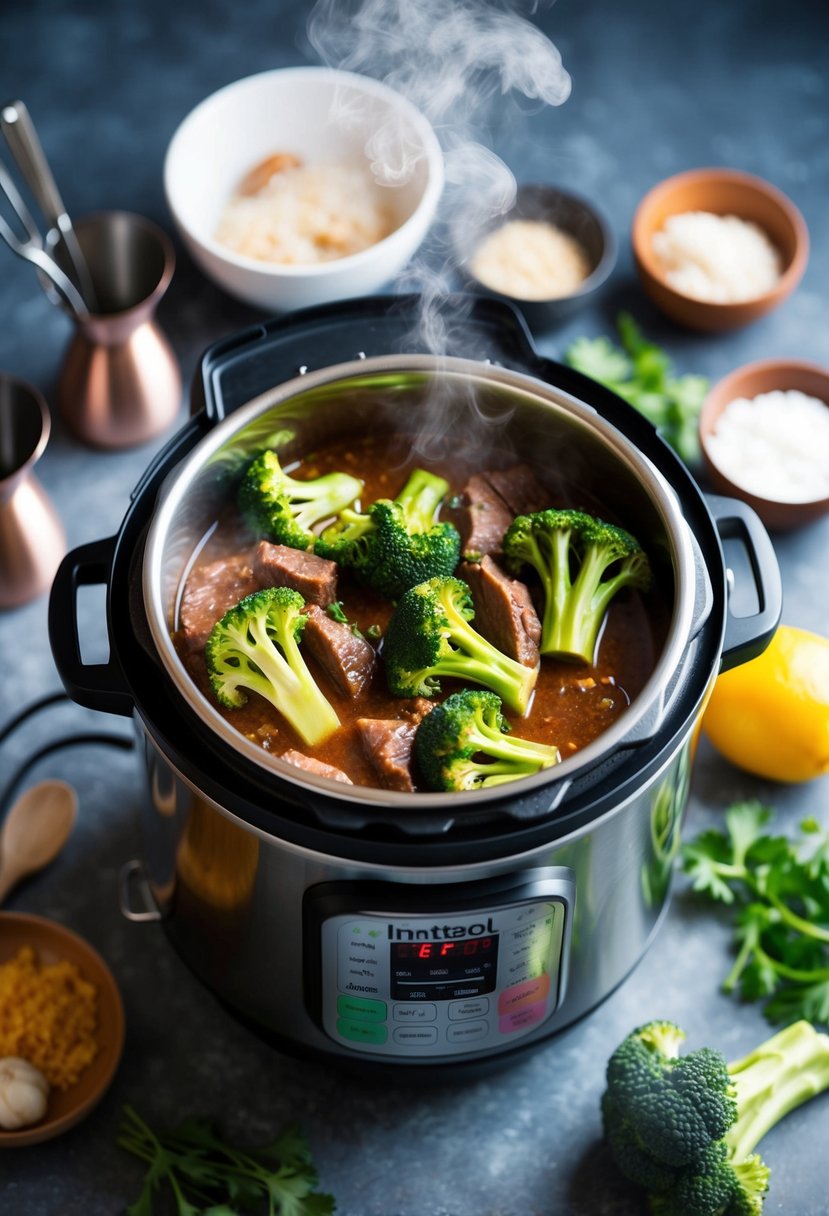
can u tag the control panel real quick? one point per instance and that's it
(397, 983)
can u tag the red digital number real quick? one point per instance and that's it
(447, 948)
(425, 950)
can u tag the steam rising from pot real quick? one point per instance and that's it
(461, 62)
(456, 60)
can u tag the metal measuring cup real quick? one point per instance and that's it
(32, 539)
(120, 382)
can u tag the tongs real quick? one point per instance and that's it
(79, 294)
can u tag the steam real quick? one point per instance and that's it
(456, 61)
(466, 65)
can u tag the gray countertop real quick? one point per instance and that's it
(657, 87)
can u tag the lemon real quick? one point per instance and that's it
(771, 716)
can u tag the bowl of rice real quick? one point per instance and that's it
(717, 249)
(303, 185)
(764, 435)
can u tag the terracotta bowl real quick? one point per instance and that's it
(52, 943)
(748, 381)
(723, 192)
(573, 214)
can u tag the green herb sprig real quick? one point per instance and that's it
(641, 373)
(779, 890)
(208, 1177)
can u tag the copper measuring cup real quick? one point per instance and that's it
(32, 539)
(120, 382)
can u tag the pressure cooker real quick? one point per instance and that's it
(423, 933)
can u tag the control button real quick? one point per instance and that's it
(524, 994)
(416, 1036)
(361, 1009)
(523, 1018)
(361, 1032)
(467, 1032)
(413, 1012)
(460, 1010)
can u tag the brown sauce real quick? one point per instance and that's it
(572, 704)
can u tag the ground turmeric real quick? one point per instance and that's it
(48, 1015)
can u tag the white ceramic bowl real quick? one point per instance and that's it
(323, 116)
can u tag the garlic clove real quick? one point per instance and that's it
(24, 1093)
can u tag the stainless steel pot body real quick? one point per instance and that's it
(234, 901)
(396, 929)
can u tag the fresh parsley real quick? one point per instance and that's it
(641, 373)
(778, 889)
(208, 1177)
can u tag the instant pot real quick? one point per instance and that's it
(413, 931)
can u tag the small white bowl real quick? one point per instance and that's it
(323, 116)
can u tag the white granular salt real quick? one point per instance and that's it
(718, 258)
(530, 260)
(775, 445)
(306, 215)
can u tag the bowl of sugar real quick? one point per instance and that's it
(716, 248)
(764, 434)
(548, 254)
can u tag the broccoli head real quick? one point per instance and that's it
(463, 744)
(429, 636)
(685, 1127)
(284, 510)
(396, 543)
(582, 563)
(255, 648)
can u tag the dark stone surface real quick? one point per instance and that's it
(658, 87)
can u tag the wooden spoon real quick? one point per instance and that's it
(34, 831)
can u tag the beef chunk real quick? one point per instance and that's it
(489, 503)
(313, 577)
(300, 760)
(348, 659)
(504, 611)
(209, 592)
(519, 489)
(482, 519)
(388, 744)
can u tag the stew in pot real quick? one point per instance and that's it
(343, 638)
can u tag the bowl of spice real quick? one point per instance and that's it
(716, 248)
(764, 434)
(61, 1029)
(548, 254)
(303, 185)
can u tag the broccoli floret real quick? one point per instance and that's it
(582, 562)
(685, 1127)
(429, 636)
(255, 648)
(284, 510)
(463, 744)
(396, 543)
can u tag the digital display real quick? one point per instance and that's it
(443, 970)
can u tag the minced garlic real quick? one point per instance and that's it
(48, 1015)
(530, 260)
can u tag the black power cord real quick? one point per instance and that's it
(75, 740)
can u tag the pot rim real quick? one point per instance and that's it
(637, 724)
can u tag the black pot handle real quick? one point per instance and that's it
(237, 369)
(95, 685)
(753, 580)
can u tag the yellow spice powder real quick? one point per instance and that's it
(48, 1016)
